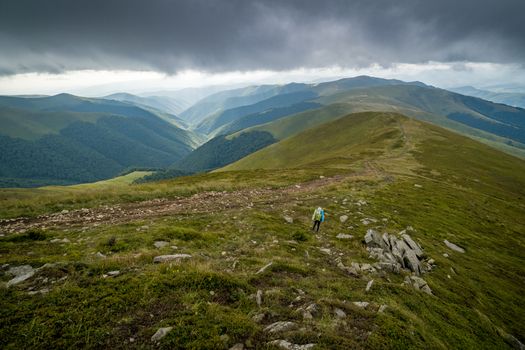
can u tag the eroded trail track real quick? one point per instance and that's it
(203, 202)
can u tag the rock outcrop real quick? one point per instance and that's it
(395, 252)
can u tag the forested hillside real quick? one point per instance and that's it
(66, 139)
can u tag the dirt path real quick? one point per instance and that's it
(204, 202)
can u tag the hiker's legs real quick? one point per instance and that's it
(318, 225)
(313, 227)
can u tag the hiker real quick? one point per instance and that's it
(317, 218)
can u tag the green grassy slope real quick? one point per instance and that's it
(397, 172)
(295, 123)
(351, 135)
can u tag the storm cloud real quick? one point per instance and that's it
(215, 36)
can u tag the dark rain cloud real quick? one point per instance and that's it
(213, 35)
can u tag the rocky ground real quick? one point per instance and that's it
(241, 269)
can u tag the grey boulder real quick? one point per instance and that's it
(166, 258)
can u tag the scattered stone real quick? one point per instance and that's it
(258, 317)
(262, 269)
(280, 326)
(288, 219)
(161, 333)
(367, 268)
(513, 341)
(258, 297)
(339, 313)
(369, 285)
(344, 236)
(326, 250)
(225, 338)
(306, 315)
(361, 304)
(58, 240)
(309, 311)
(285, 344)
(382, 308)
(445, 255)
(21, 274)
(238, 346)
(313, 309)
(113, 273)
(160, 244)
(454, 247)
(350, 270)
(165, 258)
(418, 283)
(41, 291)
(418, 185)
(343, 218)
(100, 255)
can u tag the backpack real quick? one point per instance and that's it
(318, 214)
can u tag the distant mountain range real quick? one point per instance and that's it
(293, 108)
(70, 139)
(516, 99)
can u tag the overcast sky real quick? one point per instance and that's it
(45, 46)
